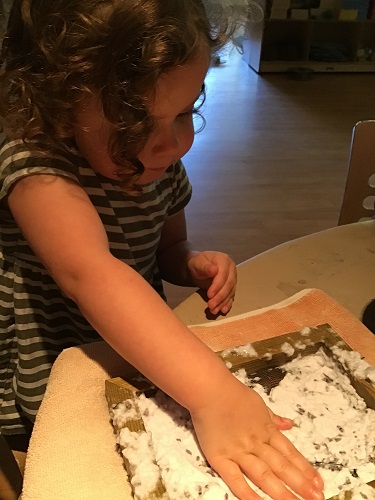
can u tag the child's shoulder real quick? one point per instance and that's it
(36, 147)
(19, 158)
(20, 152)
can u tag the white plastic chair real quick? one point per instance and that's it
(359, 195)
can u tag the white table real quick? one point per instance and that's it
(340, 261)
(331, 260)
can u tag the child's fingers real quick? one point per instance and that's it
(216, 306)
(221, 294)
(223, 282)
(263, 476)
(223, 307)
(272, 472)
(259, 473)
(287, 468)
(232, 475)
(280, 443)
(226, 307)
(218, 285)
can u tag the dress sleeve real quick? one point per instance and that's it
(181, 188)
(18, 160)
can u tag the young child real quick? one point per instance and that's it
(98, 98)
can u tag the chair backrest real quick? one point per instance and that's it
(359, 195)
(10, 475)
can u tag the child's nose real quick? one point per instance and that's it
(166, 142)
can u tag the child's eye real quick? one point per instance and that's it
(190, 112)
(196, 106)
(185, 113)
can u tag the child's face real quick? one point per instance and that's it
(173, 134)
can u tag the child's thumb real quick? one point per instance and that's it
(281, 423)
(211, 270)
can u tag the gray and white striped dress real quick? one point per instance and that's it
(37, 321)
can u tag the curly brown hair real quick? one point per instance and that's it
(55, 51)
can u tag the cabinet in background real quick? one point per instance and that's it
(322, 45)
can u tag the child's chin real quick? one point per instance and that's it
(150, 176)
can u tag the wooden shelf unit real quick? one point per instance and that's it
(280, 45)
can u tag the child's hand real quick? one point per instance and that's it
(216, 273)
(240, 435)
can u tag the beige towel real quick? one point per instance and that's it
(72, 450)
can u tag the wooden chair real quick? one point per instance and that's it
(10, 475)
(359, 195)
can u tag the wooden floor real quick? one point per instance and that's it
(271, 164)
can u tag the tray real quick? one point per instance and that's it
(265, 363)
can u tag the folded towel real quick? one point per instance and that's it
(306, 308)
(72, 449)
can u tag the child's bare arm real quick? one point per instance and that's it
(212, 271)
(235, 428)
